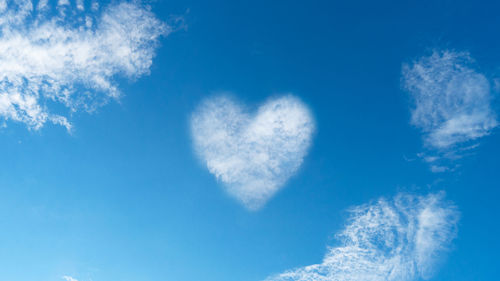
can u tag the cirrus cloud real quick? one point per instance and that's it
(65, 54)
(388, 240)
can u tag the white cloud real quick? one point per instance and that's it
(80, 5)
(388, 240)
(68, 278)
(71, 57)
(63, 2)
(252, 154)
(452, 100)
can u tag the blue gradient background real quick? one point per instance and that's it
(125, 198)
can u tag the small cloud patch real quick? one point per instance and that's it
(452, 103)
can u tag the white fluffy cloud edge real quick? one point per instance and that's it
(400, 239)
(452, 103)
(252, 153)
(69, 53)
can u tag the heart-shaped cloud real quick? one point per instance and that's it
(252, 154)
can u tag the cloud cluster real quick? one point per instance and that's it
(452, 100)
(388, 240)
(252, 154)
(69, 53)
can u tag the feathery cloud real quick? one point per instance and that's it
(59, 55)
(401, 239)
(252, 154)
(452, 101)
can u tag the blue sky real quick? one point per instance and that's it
(116, 167)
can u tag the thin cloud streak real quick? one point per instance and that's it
(252, 154)
(70, 56)
(402, 239)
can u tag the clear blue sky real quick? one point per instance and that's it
(124, 196)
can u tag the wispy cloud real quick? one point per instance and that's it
(452, 101)
(70, 56)
(252, 154)
(401, 239)
(68, 278)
